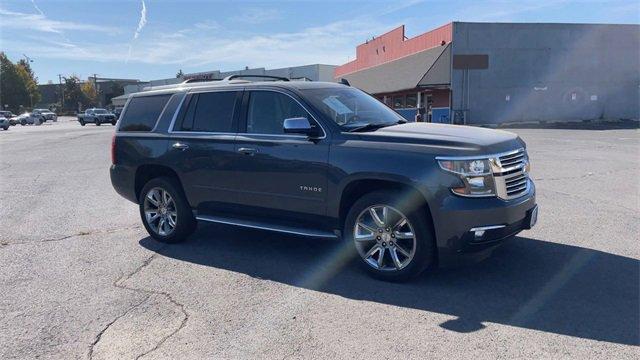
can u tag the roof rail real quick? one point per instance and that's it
(344, 81)
(239, 76)
(195, 80)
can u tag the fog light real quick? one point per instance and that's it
(478, 233)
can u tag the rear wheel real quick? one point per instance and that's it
(165, 212)
(81, 122)
(98, 122)
(394, 241)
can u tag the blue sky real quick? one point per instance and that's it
(119, 39)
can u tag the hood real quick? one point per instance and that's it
(456, 139)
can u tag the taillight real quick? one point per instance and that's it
(113, 149)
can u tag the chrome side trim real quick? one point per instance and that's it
(485, 228)
(175, 115)
(269, 227)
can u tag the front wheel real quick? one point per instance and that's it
(165, 212)
(394, 241)
(81, 122)
(97, 122)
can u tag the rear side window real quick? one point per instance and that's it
(142, 112)
(210, 112)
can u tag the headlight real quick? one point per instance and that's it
(475, 174)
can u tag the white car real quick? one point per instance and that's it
(45, 114)
(4, 123)
(29, 119)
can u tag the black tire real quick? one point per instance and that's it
(185, 223)
(113, 123)
(23, 122)
(81, 122)
(6, 127)
(425, 249)
(98, 122)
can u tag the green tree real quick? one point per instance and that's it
(13, 87)
(180, 74)
(30, 80)
(74, 98)
(90, 94)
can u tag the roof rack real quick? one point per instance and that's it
(344, 81)
(239, 76)
(196, 80)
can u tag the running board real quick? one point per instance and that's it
(267, 226)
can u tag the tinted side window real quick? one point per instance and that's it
(210, 112)
(142, 112)
(267, 111)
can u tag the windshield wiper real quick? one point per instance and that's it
(368, 127)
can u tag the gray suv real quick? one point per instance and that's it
(321, 160)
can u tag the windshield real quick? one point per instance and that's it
(99, 111)
(351, 108)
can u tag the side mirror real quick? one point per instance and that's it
(299, 125)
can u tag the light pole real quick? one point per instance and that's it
(61, 91)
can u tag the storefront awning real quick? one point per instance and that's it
(425, 68)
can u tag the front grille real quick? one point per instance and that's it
(511, 175)
(512, 160)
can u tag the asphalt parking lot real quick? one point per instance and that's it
(81, 279)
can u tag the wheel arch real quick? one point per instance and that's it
(357, 188)
(144, 173)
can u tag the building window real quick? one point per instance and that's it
(412, 101)
(398, 102)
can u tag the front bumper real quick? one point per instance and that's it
(469, 229)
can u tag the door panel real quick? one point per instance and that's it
(278, 171)
(287, 173)
(205, 168)
(202, 148)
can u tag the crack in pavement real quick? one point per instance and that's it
(65, 237)
(120, 283)
(99, 336)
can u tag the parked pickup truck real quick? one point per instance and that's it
(97, 116)
(45, 115)
(322, 160)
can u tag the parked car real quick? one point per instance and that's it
(4, 123)
(97, 116)
(321, 160)
(7, 114)
(28, 119)
(45, 114)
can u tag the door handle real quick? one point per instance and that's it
(181, 146)
(247, 151)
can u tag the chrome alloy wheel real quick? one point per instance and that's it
(160, 211)
(384, 238)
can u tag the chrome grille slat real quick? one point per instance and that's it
(510, 175)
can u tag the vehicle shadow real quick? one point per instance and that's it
(527, 283)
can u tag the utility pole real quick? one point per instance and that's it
(61, 91)
(95, 85)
